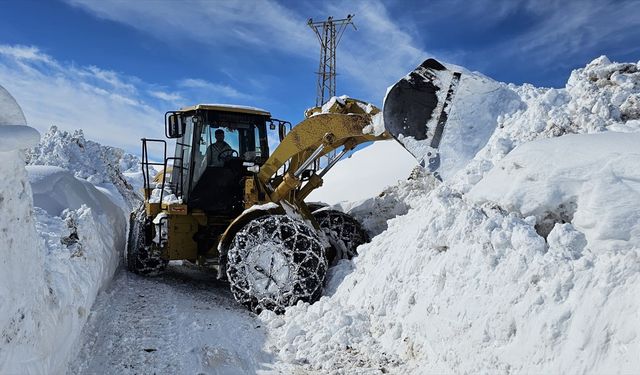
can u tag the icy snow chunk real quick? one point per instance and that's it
(167, 195)
(630, 108)
(567, 242)
(376, 127)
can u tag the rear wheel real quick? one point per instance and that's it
(143, 255)
(275, 261)
(343, 231)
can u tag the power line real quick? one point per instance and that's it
(329, 33)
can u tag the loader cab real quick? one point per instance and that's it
(216, 146)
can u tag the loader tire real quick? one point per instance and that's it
(343, 232)
(275, 261)
(143, 256)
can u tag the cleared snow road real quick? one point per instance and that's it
(183, 322)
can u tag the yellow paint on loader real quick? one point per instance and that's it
(341, 126)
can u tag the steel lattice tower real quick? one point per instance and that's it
(329, 33)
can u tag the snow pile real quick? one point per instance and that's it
(468, 283)
(602, 96)
(22, 289)
(91, 161)
(56, 257)
(589, 180)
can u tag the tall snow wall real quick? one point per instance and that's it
(53, 258)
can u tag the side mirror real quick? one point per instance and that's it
(174, 125)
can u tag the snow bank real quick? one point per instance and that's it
(589, 180)
(599, 97)
(55, 259)
(22, 286)
(462, 284)
(91, 161)
(61, 238)
(17, 137)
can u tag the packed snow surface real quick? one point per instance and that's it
(355, 178)
(185, 322)
(525, 260)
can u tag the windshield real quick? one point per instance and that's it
(217, 144)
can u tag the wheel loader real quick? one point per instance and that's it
(225, 200)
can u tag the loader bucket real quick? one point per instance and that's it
(416, 109)
(444, 116)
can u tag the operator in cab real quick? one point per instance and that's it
(219, 151)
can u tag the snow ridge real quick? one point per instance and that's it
(599, 97)
(468, 281)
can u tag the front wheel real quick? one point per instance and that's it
(275, 261)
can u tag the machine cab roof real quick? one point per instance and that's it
(227, 108)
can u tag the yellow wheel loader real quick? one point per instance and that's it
(226, 201)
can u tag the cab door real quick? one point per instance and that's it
(181, 174)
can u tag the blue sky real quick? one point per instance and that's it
(113, 67)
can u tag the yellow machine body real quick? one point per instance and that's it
(322, 132)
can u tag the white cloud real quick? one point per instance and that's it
(573, 28)
(371, 59)
(111, 108)
(103, 103)
(166, 96)
(260, 24)
(213, 89)
(111, 78)
(25, 53)
(551, 34)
